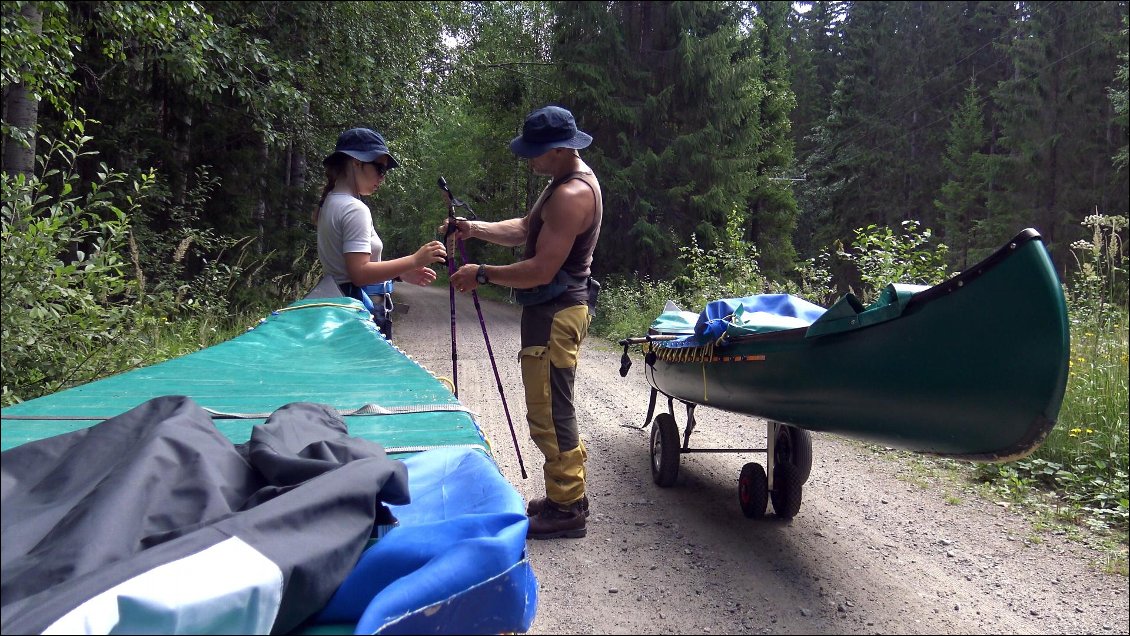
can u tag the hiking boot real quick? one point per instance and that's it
(553, 522)
(537, 505)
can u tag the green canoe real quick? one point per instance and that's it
(973, 368)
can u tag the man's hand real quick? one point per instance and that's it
(463, 280)
(464, 229)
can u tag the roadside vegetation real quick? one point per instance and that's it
(79, 300)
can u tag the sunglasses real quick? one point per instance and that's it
(382, 168)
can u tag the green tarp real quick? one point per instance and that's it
(319, 350)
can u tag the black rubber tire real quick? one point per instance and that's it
(664, 450)
(787, 491)
(794, 446)
(753, 490)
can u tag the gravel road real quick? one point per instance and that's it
(881, 545)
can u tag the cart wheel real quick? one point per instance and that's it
(794, 446)
(664, 450)
(753, 490)
(787, 490)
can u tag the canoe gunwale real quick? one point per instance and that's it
(917, 300)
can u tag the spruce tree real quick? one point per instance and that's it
(1118, 97)
(1057, 126)
(670, 92)
(961, 203)
(772, 206)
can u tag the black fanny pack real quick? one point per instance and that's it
(562, 281)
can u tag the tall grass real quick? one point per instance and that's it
(628, 306)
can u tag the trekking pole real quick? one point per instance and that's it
(452, 203)
(450, 260)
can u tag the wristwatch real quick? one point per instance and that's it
(481, 276)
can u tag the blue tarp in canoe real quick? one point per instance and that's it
(762, 313)
(734, 316)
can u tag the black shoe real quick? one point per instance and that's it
(537, 505)
(554, 522)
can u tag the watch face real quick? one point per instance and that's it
(481, 276)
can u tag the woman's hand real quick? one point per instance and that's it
(423, 276)
(430, 252)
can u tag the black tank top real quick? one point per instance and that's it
(578, 263)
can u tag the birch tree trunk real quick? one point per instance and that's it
(21, 111)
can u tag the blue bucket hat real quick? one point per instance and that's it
(363, 145)
(548, 128)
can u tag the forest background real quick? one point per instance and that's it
(161, 162)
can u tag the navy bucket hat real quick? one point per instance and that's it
(548, 128)
(363, 145)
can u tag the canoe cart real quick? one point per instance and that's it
(974, 368)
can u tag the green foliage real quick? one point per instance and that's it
(671, 92)
(815, 280)
(493, 70)
(1055, 122)
(629, 305)
(66, 295)
(41, 60)
(883, 256)
(75, 306)
(171, 234)
(187, 268)
(1120, 99)
(874, 157)
(729, 270)
(1098, 292)
(772, 205)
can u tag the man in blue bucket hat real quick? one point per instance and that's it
(548, 128)
(553, 283)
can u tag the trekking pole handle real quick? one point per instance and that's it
(453, 201)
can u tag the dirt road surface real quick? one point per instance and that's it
(877, 547)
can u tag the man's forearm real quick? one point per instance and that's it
(509, 233)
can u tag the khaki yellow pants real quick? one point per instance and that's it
(548, 373)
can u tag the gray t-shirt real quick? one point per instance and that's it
(345, 225)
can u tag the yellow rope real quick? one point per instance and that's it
(709, 351)
(447, 382)
(350, 307)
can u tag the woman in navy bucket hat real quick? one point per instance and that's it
(348, 245)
